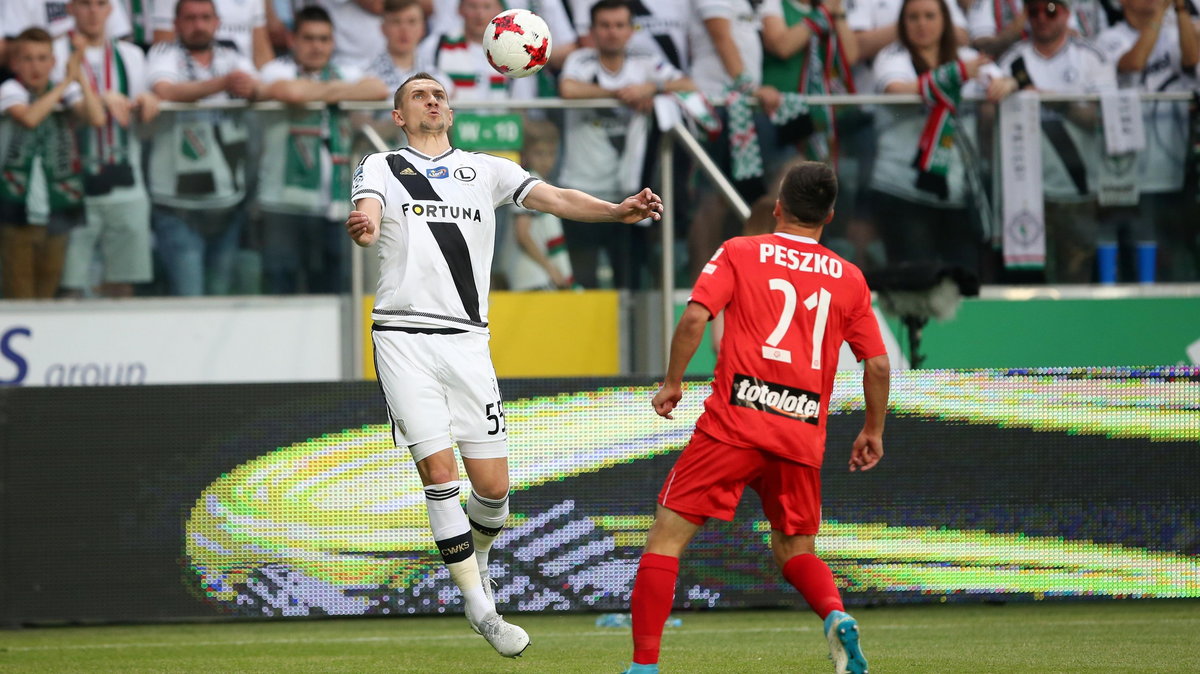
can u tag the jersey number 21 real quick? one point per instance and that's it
(819, 300)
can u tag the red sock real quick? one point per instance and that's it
(812, 577)
(653, 594)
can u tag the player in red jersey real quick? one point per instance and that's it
(789, 304)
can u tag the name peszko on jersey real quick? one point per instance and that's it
(789, 303)
(437, 233)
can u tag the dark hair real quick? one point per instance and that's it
(390, 6)
(605, 5)
(808, 191)
(310, 14)
(947, 44)
(33, 35)
(181, 2)
(400, 90)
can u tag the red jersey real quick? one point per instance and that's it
(789, 304)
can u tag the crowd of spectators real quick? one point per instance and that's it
(104, 193)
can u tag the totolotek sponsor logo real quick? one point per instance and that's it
(765, 396)
(436, 210)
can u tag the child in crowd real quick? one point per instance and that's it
(41, 188)
(538, 258)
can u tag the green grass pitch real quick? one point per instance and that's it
(1101, 636)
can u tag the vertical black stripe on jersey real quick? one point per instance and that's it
(458, 257)
(665, 43)
(414, 182)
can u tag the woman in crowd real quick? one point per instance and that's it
(919, 182)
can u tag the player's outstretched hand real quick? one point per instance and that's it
(360, 228)
(867, 451)
(666, 399)
(644, 204)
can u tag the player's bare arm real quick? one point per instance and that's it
(583, 207)
(868, 446)
(684, 343)
(363, 224)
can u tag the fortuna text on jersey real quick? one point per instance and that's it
(436, 210)
(765, 396)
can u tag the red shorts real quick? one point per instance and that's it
(709, 476)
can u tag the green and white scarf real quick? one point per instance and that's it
(108, 144)
(308, 131)
(54, 141)
(821, 70)
(743, 135)
(940, 88)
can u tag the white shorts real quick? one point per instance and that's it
(440, 389)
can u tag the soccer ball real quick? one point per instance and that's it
(517, 43)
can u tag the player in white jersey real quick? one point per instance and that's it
(431, 210)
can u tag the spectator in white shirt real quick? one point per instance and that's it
(304, 184)
(1052, 60)
(243, 26)
(1156, 49)
(198, 159)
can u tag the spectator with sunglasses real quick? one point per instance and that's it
(1051, 59)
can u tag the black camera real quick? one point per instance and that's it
(110, 177)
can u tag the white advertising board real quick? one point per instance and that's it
(170, 341)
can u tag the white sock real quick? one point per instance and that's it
(487, 517)
(452, 534)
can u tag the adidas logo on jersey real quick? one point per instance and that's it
(764, 396)
(408, 172)
(436, 210)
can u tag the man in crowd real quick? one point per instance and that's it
(116, 204)
(197, 163)
(403, 29)
(605, 148)
(1053, 61)
(305, 178)
(243, 26)
(1156, 49)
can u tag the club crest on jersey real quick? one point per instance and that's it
(438, 210)
(437, 172)
(764, 396)
(464, 173)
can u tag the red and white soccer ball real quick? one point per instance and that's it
(517, 43)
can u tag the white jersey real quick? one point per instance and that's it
(465, 64)
(446, 19)
(438, 232)
(52, 15)
(188, 167)
(1067, 149)
(660, 26)
(707, 70)
(107, 73)
(238, 18)
(598, 141)
(1160, 165)
(385, 68)
(357, 33)
(898, 129)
